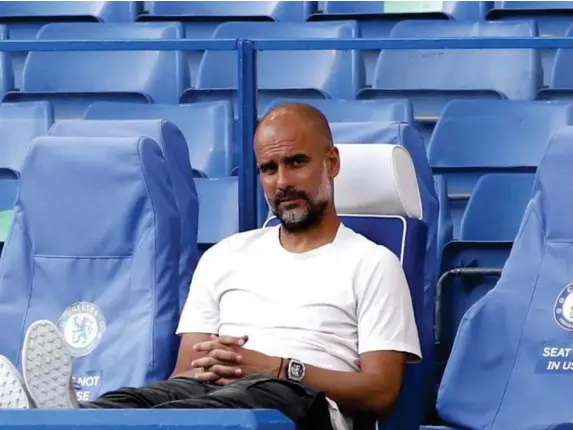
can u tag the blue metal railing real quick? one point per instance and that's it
(246, 91)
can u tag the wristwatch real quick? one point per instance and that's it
(295, 370)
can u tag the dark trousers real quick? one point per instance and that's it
(306, 408)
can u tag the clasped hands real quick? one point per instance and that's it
(226, 360)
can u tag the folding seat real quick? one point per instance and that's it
(200, 19)
(24, 19)
(207, 128)
(305, 75)
(552, 18)
(20, 123)
(356, 110)
(389, 213)
(377, 18)
(474, 138)
(94, 247)
(176, 155)
(6, 73)
(431, 78)
(72, 80)
(512, 353)
(560, 85)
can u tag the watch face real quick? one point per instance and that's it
(296, 370)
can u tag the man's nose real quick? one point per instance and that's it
(283, 179)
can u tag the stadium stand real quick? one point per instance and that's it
(95, 232)
(389, 213)
(20, 123)
(431, 78)
(378, 18)
(293, 74)
(530, 307)
(201, 18)
(24, 19)
(176, 155)
(100, 75)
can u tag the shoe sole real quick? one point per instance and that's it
(13, 392)
(47, 367)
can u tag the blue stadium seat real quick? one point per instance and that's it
(445, 223)
(522, 328)
(207, 127)
(134, 76)
(95, 240)
(406, 136)
(24, 19)
(20, 123)
(496, 207)
(176, 154)
(553, 18)
(432, 78)
(389, 213)
(477, 137)
(201, 18)
(299, 74)
(357, 110)
(560, 81)
(377, 18)
(6, 72)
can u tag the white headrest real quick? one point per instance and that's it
(376, 179)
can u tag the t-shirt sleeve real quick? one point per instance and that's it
(385, 312)
(201, 311)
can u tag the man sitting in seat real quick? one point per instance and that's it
(309, 317)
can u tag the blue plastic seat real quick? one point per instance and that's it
(201, 18)
(134, 76)
(432, 78)
(560, 80)
(357, 110)
(299, 74)
(20, 123)
(522, 328)
(176, 154)
(6, 72)
(207, 127)
(405, 135)
(388, 213)
(24, 19)
(377, 18)
(96, 234)
(553, 18)
(474, 138)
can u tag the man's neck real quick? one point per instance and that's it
(307, 240)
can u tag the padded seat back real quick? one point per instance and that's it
(388, 212)
(176, 155)
(94, 247)
(513, 347)
(131, 76)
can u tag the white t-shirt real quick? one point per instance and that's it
(324, 307)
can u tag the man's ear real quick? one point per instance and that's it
(333, 157)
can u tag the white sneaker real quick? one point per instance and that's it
(13, 392)
(47, 367)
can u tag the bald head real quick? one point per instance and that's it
(298, 162)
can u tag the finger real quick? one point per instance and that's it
(226, 371)
(232, 340)
(204, 362)
(206, 346)
(207, 377)
(227, 356)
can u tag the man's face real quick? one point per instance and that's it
(296, 174)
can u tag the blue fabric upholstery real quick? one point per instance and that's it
(299, 74)
(431, 78)
(103, 75)
(207, 127)
(478, 137)
(522, 328)
(176, 155)
(95, 238)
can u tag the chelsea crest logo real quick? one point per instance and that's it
(83, 326)
(563, 310)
